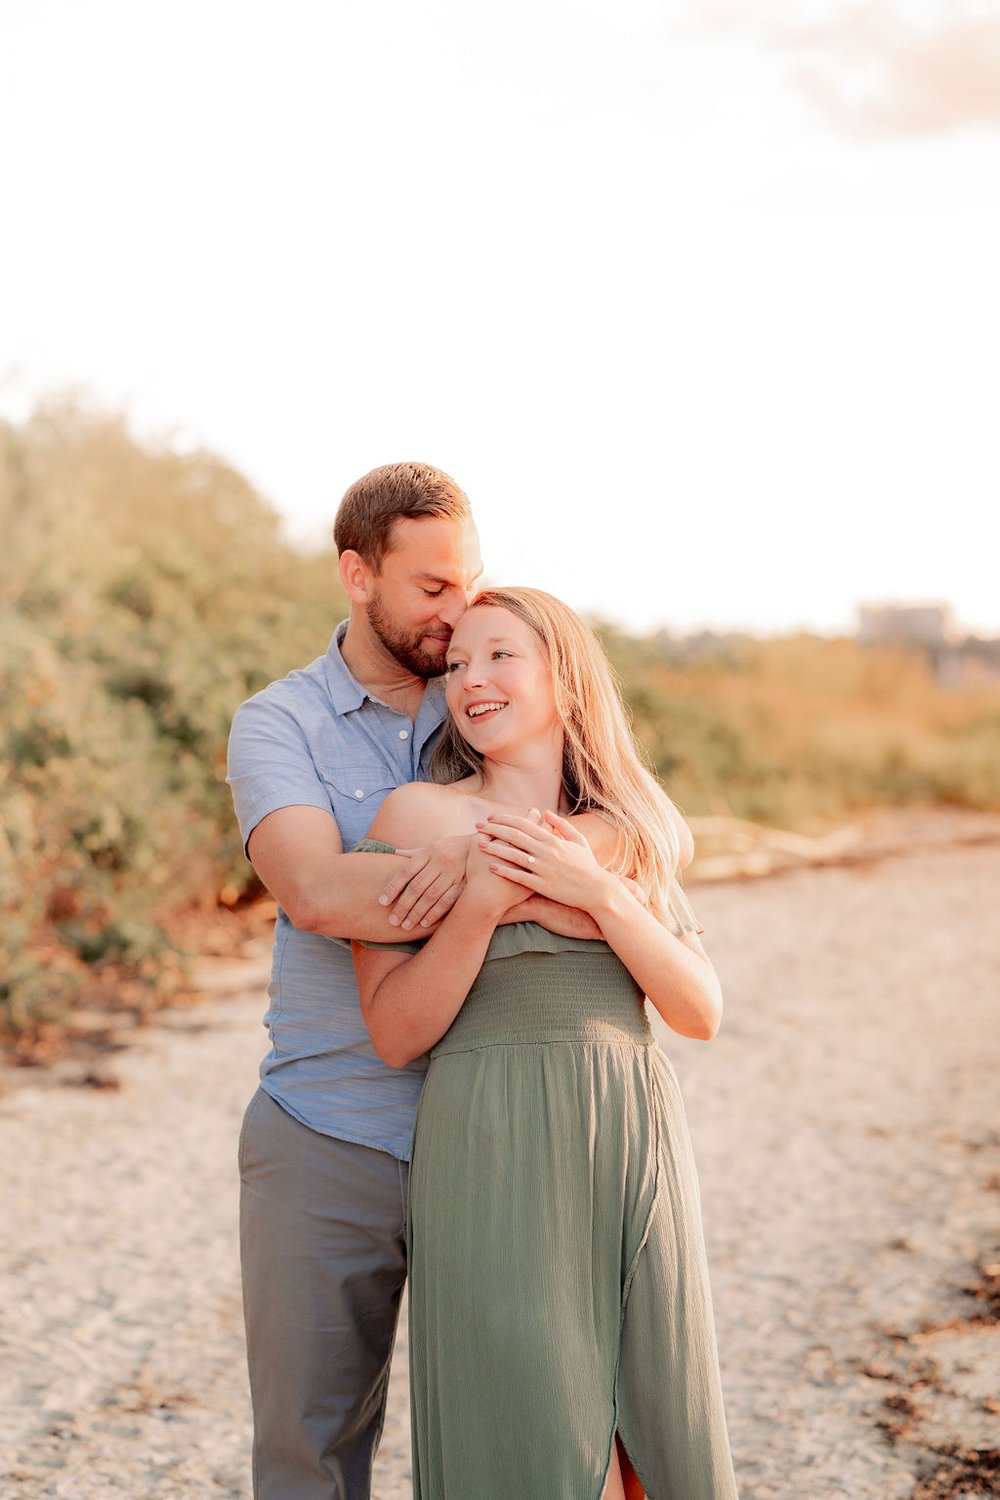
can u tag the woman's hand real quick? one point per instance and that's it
(548, 857)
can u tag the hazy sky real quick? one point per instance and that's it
(698, 301)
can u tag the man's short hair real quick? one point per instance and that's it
(394, 492)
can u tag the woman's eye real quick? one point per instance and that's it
(433, 593)
(501, 653)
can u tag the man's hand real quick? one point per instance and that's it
(567, 921)
(426, 888)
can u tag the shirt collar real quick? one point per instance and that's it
(347, 693)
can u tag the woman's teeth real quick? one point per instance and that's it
(478, 709)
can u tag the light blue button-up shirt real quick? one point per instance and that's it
(318, 739)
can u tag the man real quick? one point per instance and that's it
(326, 1139)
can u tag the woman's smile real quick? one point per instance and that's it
(480, 710)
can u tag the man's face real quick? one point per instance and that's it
(423, 589)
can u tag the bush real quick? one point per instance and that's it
(143, 596)
(800, 731)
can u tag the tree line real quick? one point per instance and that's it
(144, 593)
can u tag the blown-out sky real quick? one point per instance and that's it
(699, 301)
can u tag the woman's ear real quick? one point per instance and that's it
(356, 576)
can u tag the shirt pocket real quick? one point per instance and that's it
(356, 793)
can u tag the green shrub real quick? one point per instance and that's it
(143, 596)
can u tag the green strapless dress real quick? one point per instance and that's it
(558, 1288)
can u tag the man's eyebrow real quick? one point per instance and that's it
(436, 577)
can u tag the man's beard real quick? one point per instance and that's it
(405, 648)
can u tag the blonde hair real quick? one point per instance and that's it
(604, 769)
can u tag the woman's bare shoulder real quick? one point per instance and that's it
(600, 833)
(603, 836)
(418, 813)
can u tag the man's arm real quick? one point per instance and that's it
(292, 837)
(299, 856)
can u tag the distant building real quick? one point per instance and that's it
(958, 660)
(928, 625)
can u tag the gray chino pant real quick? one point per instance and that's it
(323, 1251)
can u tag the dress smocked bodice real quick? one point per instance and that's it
(537, 986)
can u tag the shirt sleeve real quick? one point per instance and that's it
(270, 765)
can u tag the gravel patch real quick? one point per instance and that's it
(845, 1129)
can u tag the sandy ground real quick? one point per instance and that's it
(845, 1128)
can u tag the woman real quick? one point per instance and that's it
(561, 1338)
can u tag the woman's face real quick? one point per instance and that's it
(499, 687)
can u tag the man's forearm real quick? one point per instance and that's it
(342, 900)
(346, 906)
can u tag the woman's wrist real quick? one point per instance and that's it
(612, 899)
(477, 907)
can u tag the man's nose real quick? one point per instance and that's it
(454, 607)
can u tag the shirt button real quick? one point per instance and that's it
(359, 793)
(404, 734)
